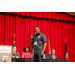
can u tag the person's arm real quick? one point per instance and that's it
(31, 40)
(22, 56)
(18, 56)
(31, 56)
(56, 57)
(45, 43)
(47, 57)
(44, 47)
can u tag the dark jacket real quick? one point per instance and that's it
(46, 56)
(50, 56)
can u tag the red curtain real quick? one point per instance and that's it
(0, 29)
(57, 31)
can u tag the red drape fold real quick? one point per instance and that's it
(22, 34)
(10, 33)
(6, 40)
(56, 38)
(0, 30)
(41, 14)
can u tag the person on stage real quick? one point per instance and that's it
(39, 41)
(45, 56)
(53, 56)
(26, 53)
(14, 53)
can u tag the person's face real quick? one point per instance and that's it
(14, 49)
(65, 40)
(37, 30)
(27, 49)
(53, 52)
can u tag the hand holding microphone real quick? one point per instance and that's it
(33, 35)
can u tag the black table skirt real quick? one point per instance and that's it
(32, 60)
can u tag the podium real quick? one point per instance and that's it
(5, 53)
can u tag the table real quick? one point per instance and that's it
(32, 60)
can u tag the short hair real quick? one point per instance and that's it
(13, 47)
(53, 49)
(37, 27)
(25, 48)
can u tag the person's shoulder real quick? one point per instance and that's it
(17, 52)
(49, 54)
(42, 34)
(30, 53)
(56, 55)
(23, 52)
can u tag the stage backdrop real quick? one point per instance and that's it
(56, 26)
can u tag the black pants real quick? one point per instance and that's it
(38, 58)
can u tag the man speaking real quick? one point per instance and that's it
(39, 41)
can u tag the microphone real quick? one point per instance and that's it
(35, 34)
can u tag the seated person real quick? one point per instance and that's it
(53, 56)
(14, 53)
(45, 56)
(26, 53)
(66, 55)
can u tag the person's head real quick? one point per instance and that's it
(14, 49)
(53, 51)
(26, 49)
(37, 30)
(65, 40)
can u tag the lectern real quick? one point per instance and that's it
(5, 53)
